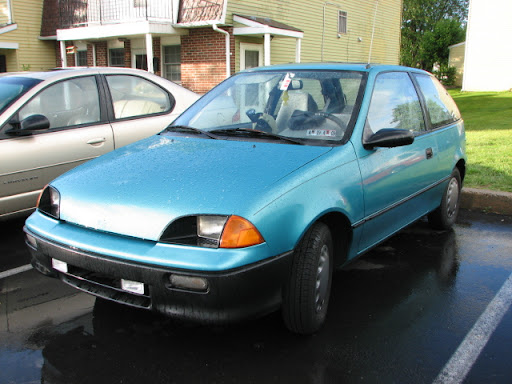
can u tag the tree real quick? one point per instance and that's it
(427, 17)
(435, 43)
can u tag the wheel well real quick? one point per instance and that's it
(341, 232)
(461, 165)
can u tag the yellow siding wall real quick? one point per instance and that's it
(33, 54)
(307, 15)
(456, 59)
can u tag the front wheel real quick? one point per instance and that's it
(446, 214)
(306, 296)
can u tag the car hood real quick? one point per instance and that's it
(139, 189)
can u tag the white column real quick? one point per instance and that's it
(266, 49)
(298, 44)
(149, 52)
(94, 54)
(63, 59)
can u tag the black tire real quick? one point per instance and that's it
(446, 214)
(306, 296)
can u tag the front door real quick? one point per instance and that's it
(396, 181)
(76, 134)
(141, 62)
(3, 64)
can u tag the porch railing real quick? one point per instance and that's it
(82, 13)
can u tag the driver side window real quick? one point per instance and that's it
(394, 104)
(67, 103)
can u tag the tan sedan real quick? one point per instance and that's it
(53, 121)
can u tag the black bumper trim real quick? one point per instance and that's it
(235, 294)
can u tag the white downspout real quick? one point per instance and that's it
(9, 12)
(228, 53)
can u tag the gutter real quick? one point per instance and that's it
(228, 53)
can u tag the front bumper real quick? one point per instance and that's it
(231, 295)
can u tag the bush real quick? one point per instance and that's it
(446, 75)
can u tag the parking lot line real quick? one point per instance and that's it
(466, 355)
(15, 271)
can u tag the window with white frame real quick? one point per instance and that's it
(172, 63)
(342, 22)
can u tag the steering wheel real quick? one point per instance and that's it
(262, 121)
(331, 117)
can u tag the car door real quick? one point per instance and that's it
(396, 181)
(141, 108)
(77, 132)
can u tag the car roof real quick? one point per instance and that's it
(62, 73)
(336, 66)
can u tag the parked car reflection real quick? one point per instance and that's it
(398, 283)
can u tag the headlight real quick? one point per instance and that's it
(212, 231)
(49, 202)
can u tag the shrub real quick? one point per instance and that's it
(446, 74)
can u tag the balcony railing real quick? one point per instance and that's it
(82, 13)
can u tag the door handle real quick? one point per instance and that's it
(429, 153)
(96, 141)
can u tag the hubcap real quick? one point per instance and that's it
(322, 278)
(452, 197)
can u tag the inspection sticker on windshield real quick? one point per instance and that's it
(321, 132)
(286, 82)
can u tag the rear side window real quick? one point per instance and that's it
(135, 96)
(394, 104)
(441, 107)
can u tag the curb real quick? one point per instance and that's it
(487, 201)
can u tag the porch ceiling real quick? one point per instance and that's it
(255, 25)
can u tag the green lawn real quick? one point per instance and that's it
(488, 121)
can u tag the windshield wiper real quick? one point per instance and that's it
(186, 128)
(256, 133)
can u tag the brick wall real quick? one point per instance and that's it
(50, 20)
(58, 63)
(90, 57)
(127, 54)
(203, 58)
(158, 54)
(101, 54)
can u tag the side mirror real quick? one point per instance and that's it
(31, 124)
(388, 138)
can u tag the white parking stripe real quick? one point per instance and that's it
(15, 271)
(466, 355)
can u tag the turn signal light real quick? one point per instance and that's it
(240, 233)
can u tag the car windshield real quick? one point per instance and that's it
(12, 88)
(306, 106)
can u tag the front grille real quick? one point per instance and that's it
(104, 286)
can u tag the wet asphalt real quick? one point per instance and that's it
(397, 315)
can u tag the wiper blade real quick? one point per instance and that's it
(186, 128)
(256, 133)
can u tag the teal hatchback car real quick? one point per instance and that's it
(250, 198)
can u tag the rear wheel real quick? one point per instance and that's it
(306, 295)
(446, 214)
